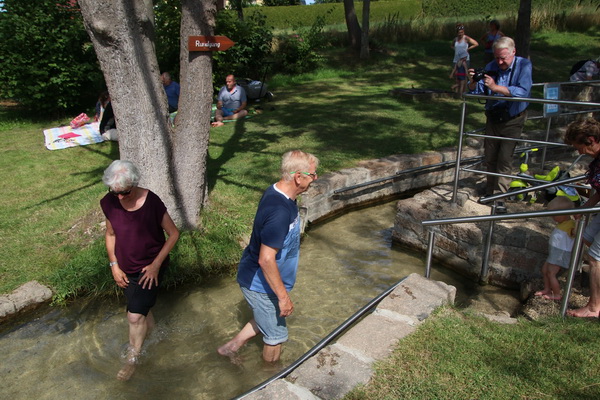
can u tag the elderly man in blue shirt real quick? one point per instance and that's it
(506, 76)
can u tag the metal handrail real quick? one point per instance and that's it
(498, 196)
(522, 215)
(569, 83)
(575, 254)
(531, 100)
(467, 96)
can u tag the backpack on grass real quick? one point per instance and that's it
(577, 66)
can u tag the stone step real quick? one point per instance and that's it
(336, 369)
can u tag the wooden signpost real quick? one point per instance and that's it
(209, 43)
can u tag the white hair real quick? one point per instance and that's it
(121, 174)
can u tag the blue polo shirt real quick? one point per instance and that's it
(277, 225)
(517, 78)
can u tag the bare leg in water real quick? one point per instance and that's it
(270, 354)
(231, 348)
(140, 327)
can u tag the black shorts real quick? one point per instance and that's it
(139, 300)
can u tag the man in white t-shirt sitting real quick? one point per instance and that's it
(231, 102)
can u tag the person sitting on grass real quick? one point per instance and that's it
(231, 102)
(560, 245)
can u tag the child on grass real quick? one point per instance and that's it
(559, 248)
(459, 73)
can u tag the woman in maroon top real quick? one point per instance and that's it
(136, 222)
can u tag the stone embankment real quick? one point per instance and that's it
(340, 366)
(25, 297)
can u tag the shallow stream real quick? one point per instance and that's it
(74, 352)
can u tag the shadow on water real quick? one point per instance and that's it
(76, 351)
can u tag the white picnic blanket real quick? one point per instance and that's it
(65, 136)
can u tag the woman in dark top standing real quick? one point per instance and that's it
(138, 253)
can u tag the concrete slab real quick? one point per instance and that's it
(417, 297)
(331, 373)
(282, 390)
(375, 336)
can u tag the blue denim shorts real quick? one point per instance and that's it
(591, 234)
(227, 111)
(265, 308)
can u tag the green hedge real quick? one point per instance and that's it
(485, 8)
(289, 17)
(453, 8)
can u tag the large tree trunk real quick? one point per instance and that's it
(192, 125)
(364, 42)
(172, 162)
(523, 36)
(354, 32)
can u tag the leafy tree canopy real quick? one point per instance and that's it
(48, 63)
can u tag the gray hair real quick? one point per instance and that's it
(121, 174)
(504, 42)
(294, 161)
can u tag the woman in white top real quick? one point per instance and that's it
(462, 43)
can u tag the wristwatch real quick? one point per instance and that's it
(112, 263)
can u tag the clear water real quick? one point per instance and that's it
(75, 352)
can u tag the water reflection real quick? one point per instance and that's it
(75, 352)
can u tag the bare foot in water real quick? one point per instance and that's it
(126, 372)
(131, 359)
(583, 312)
(233, 356)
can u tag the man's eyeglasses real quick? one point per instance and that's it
(313, 175)
(122, 193)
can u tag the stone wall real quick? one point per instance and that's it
(321, 200)
(518, 249)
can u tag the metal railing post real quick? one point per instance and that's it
(485, 258)
(459, 150)
(547, 137)
(430, 245)
(574, 263)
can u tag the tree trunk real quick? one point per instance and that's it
(364, 42)
(523, 36)
(192, 125)
(172, 161)
(354, 32)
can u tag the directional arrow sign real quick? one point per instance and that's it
(209, 43)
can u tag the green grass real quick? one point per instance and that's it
(50, 219)
(46, 194)
(456, 355)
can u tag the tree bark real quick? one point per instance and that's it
(364, 42)
(354, 32)
(172, 161)
(192, 125)
(523, 35)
